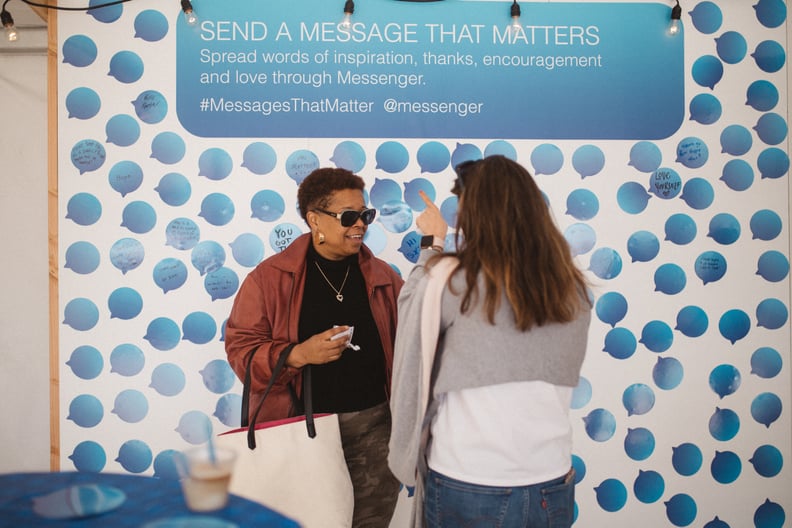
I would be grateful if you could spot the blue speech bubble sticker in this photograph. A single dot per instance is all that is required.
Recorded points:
(773, 163)
(657, 336)
(645, 156)
(649, 486)
(83, 209)
(581, 238)
(767, 460)
(105, 12)
(194, 427)
(410, 246)
(88, 457)
(127, 254)
(611, 308)
(765, 225)
(199, 328)
(638, 399)
(639, 443)
(135, 456)
(766, 362)
(168, 148)
(207, 256)
(82, 257)
(769, 515)
(581, 395)
(465, 152)
(705, 109)
(600, 425)
(168, 379)
(707, 17)
(771, 314)
(686, 458)
(125, 303)
(170, 274)
(500, 147)
(588, 160)
(769, 56)
(738, 175)
(681, 509)
(411, 190)
(349, 155)
(724, 228)
(643, 246)
(734, 325)
(433, 157)
(395, 216)
(221, 283)
(376, 239)
(267, 205)
(665, 183)
(86, 362)
(547, 159)
(670, 279)
(384, 191)
(692, 321)
(81, 314)
(282, 235)
(247, 249)
(182, 233)
(731, 47)
(771, 13)
(259, 158)
(165, 465)
(139, 217)
(130, 405)
(300, 164)
(88, 155)
(771, 128)
(668, 373)
(620, 343)
(215, 164)
(151, 107)
(126, 67)
(127, 359)
(582, 204)
(174, 189)
(773, 266)
(79, 51)
(228, 410)
(710, 266)
(692, 152)
(724, 380)
(151, 25)
(163, 333)
(82, 103)
(125, 177)
(392, 157)
(611, 495)
(698, 193)
(707, 71)
(736, 140)
(766, 408)
(85, 410)
(217, 376)
(217, 209)
(762, 95)
(122, 130)
(725, 467)
(680, 229)
(632, 197)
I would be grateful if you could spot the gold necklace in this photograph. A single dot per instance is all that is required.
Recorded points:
(339, 297)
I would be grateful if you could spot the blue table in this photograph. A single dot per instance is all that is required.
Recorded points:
(147, 499)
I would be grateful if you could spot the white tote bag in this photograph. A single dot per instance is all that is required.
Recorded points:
(295, 466)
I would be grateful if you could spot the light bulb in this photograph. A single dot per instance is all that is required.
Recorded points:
(673, 27)
(676, 14)
(349, 8)
(515, 16)
(189, 13)
(346, 22)
(8, 24)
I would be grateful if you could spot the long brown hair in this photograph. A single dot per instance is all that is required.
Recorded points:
(507, 234)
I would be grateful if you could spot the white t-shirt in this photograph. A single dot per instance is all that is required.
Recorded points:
(511, 434)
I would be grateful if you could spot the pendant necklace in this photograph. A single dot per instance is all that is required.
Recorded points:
(339, 297)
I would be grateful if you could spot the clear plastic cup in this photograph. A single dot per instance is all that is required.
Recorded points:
(205, 477)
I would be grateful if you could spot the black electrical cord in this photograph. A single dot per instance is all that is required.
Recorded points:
(59, 8)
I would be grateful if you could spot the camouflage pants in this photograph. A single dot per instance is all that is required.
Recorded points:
(365, 435)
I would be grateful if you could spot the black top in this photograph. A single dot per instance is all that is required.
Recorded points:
(357, 380)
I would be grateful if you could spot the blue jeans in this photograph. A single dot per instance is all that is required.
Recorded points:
(450, 503)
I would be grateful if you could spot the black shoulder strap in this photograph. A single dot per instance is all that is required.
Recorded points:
(251, 424)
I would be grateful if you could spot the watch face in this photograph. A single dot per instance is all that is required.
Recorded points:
(427, 241)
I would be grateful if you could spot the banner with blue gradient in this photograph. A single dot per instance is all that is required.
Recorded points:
(450, 69)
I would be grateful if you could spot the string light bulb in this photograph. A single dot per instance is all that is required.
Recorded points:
(189, 13)
(676, 14)
(515, 15)
(8, 24)
(349, 8)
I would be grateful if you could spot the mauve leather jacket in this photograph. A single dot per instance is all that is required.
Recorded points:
(265, 315)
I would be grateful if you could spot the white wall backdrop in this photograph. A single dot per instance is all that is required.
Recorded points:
(683, 411)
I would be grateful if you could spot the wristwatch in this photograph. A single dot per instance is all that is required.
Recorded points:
(432, 242)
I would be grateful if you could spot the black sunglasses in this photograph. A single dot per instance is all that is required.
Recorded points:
(348, 217)
(462, 170)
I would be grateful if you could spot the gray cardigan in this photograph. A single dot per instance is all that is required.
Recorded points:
(471, 352)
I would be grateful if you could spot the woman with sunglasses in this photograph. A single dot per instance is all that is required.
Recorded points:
(323, 284)
(487, 441)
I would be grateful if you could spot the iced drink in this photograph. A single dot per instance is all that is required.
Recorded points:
(205, 488)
